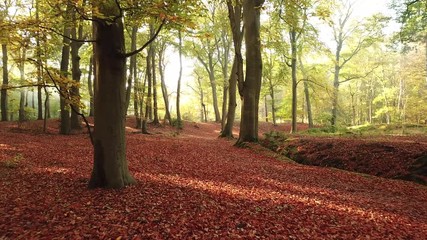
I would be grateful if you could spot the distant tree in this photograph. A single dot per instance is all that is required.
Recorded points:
(344, 32)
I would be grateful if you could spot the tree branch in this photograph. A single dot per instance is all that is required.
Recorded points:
(65, 97)
(67, 37)
(6, 87)
(349, 78)
(147, 43)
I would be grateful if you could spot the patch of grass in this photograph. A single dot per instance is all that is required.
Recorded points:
(13, 162)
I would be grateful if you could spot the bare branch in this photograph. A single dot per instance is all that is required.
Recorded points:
(147, 43)
(65, 97)
(352, 77)
(67, 37)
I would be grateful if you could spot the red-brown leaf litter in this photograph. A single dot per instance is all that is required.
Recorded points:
(192, 185)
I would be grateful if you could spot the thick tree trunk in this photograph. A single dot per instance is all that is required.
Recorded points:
(252, 84)
(4, 102)
(110, 168)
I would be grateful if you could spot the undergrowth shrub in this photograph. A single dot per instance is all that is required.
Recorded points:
(273, 139)
(13, 162)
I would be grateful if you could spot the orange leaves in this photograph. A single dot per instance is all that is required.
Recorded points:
(195, 186)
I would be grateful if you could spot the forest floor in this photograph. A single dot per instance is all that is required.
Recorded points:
(192, 185)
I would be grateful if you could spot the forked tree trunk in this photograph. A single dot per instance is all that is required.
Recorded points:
(252, 85)
(163, 83)
(236, 75)
(110, 168)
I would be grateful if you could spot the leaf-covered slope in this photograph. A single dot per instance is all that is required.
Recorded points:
(195, 186)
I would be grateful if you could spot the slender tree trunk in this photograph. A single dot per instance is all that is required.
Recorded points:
(212, 81)
(273, 106)
(4, 98)
(136, 99)
(163, 83)
(76, 33)
(46, 109)
(110, 168)
(307, 95)
(149, 72)
(22, 115)
(149, 101)
(224, 105)
(265, 108)
(65, 58)
(131, 65)
(90, 87)
(252, 84)
(153, 68)
(144, 128)
(293, 37)
(39, 69)
(178, 91)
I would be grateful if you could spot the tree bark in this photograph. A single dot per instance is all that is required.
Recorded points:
(162, 49)
(178, 91)
(153, 69)
(132, 65)
(76, 73)
(110, 168)
(293, 38)
(307, 95)
(22, 115)
(4, 98)
(39, 69)
(90, 87)
(65, 59)
(236, 75)
(252, 85)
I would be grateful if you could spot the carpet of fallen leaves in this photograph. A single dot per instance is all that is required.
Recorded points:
(384, 156)
(192, 185)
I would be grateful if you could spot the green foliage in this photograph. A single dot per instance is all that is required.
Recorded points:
(274, 139)
(13, 162)
(177, 124)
